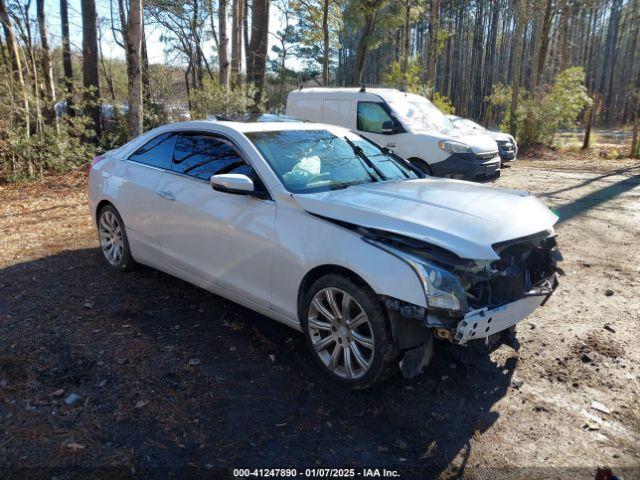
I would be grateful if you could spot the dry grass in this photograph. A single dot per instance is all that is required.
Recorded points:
(601, 159)
(43, 217)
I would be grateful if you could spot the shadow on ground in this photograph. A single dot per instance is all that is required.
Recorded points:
(594, 199)
(170, 377)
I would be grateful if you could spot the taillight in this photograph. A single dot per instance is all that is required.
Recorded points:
(95, 160)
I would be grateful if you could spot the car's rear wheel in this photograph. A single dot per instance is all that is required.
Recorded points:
(113, 239)
(346, 331)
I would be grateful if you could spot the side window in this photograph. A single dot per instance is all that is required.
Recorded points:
(371, 116)
(157, 152)
(201, 156)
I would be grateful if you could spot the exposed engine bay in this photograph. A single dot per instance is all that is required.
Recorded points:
(498, 293)
(525, 264)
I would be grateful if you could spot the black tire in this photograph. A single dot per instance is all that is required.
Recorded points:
(383, 360)
(124, 261)
(422, 166)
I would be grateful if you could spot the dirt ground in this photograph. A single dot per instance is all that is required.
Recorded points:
(174, 381)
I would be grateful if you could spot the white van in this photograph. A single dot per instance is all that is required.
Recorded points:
(407, 124)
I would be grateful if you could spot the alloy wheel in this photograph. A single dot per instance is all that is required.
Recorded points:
(111, 241)
(341, 333)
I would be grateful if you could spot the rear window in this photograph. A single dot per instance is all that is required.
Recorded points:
(157, 152)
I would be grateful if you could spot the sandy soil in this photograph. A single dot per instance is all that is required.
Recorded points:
(172, 379)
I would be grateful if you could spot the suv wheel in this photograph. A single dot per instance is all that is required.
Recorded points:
(421, 165)
(346, 330)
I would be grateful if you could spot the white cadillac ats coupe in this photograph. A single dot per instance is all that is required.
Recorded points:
(323, 230)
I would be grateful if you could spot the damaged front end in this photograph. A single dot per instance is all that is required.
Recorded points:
(467, 299)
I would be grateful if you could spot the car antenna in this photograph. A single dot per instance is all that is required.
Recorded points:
(363, 88)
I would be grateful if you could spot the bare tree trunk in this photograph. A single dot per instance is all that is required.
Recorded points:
(258, 47)
(635, 150)
(487, 77)
(517, 57)
(433, 44)
(106, 72)
(90, 76)
(325, 42)
(66, 55)
(609, 59)
(544, 45)
(236, 42)
(223, 57)
(31, 65)
(406, 42)
(244, 34)
(196, 41)
(186, 82)
(564, 35)
(47, 70)
(369, 13)
(146, 88)
(134, 68)
(5, 61)
(16, 64)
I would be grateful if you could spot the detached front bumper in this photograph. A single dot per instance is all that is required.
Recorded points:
(483, 322)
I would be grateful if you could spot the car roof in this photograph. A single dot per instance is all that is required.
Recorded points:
(255, 117)
(224, 127)
(243, 127)
(389, 95)
(344, 93)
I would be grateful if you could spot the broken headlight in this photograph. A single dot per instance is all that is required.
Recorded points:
(442, 288)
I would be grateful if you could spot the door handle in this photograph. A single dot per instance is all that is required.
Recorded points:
(167, 195)
(390, 145)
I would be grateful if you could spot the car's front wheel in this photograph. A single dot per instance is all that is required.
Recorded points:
(421, 165)
(346, 330)
(113, 239)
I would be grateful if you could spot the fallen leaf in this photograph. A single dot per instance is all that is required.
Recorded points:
(75, 446)
(601, 407)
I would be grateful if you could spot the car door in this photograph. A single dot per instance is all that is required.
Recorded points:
(136, 199)
(216, 238)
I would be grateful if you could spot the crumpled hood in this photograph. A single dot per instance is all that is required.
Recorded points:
(462, 217)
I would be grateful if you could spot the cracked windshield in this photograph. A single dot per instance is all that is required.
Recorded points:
(316, 160)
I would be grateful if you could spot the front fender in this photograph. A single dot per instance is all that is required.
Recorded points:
(308, 241)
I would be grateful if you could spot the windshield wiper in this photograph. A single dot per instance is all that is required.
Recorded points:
(360, 154)
(343, 185)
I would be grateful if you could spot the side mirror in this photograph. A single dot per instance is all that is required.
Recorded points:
(236, 183)
(388, 128)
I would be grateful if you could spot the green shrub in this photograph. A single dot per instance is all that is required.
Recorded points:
(24, 157)
(539, 118)
(413, 84)
(213, 99)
